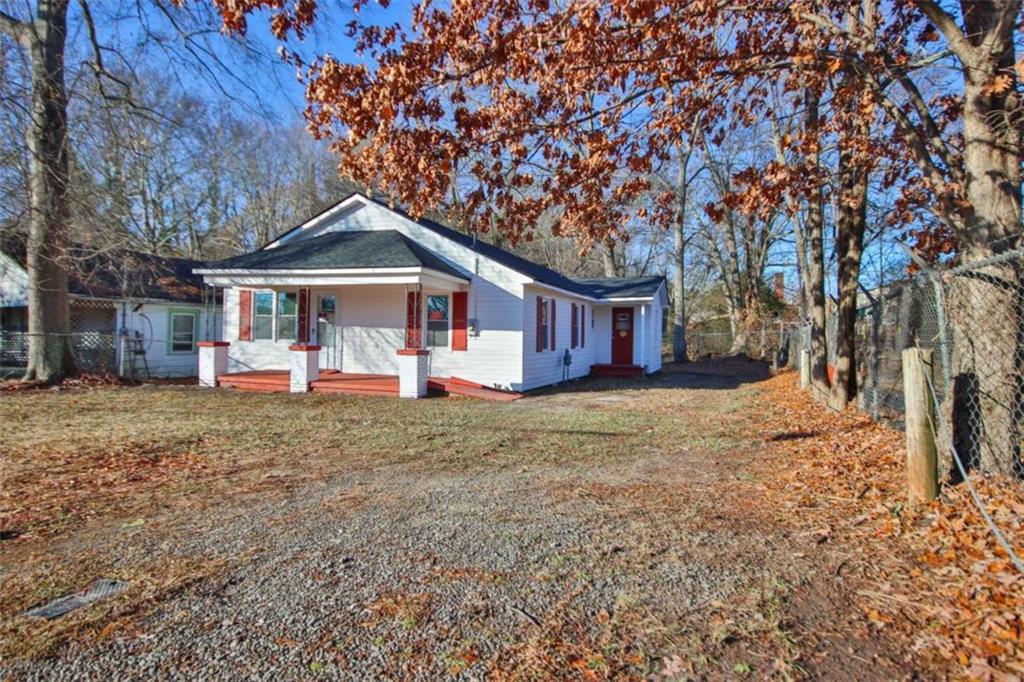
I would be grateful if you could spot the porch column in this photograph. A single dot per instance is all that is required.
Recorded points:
(213, 361)
(413, 364)
(305, 366)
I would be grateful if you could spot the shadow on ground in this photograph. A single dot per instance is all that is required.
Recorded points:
(719, 374)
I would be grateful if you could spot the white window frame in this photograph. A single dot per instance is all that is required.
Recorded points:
(273, 315)
(447, 321)
(181, 312)
(278, 298)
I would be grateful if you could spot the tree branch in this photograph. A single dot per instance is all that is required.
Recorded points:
(15, 28)
(945, 22)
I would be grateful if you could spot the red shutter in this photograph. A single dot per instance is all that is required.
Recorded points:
(575, 328)
(583, 325)
(540, 324)
(245, 315)
(551, 323)
(303, 321)
(460, 311)
(413, 321)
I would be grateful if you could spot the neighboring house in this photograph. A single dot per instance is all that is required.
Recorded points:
(367, 287)
(131, 313)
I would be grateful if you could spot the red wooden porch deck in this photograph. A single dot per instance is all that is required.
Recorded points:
(333, 381)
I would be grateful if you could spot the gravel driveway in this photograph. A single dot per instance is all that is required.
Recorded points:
(631, 567)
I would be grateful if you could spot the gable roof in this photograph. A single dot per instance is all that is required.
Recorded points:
(641, 287)
(341, 251)
(123, 274)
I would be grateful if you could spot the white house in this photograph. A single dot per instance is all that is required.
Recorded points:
(131, 313)
(365, 298)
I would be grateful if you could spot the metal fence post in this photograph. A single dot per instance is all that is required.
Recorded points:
(123, 356)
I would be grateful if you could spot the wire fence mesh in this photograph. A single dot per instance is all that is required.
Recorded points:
(972, 320)
(133, 355)
(765, 340)
(93, 351)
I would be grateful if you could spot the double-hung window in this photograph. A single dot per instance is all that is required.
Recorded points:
(287, 315)
(437, 321)
(263, 315)
(183, 327)
(275, 316)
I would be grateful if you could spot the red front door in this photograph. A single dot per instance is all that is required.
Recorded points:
(622, 336)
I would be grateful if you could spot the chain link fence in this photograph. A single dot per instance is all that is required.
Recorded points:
(94, 352)
(971, 318)
(135, 355)
(766, 340)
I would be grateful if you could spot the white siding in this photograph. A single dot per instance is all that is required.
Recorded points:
(646, 334)
(654, 337)
(494, 355)
(371, 320)
(501, 353)
(372, 328)
(152, 321)
(546, 367)
(249, 355)
(13, 284)
(602, 333)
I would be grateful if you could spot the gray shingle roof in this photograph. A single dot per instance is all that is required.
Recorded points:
(341, 250)
(623, 287)
(616, 287)
(602, 287)
(121, 273)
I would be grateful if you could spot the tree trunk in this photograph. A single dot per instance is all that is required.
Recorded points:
(816, 269)
(50, 358)
(987, 305)
(679, 252)
(739, 330)
(850, 227)
(679, 293)
(610, 260)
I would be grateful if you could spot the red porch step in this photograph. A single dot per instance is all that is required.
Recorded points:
(265, 380)
(617, 370)
(356, 384)
(470, 389)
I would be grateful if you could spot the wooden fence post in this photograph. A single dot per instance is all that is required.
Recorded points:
(805, 368)
(922, 455)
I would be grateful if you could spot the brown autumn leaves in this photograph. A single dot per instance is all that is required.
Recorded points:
(532, 108)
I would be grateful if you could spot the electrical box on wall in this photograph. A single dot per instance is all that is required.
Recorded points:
(472, 327)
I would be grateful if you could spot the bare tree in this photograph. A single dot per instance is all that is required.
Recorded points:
(43, 38)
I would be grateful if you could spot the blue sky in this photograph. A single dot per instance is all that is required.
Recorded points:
(276, 81)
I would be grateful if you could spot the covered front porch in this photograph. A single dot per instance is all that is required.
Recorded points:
(359, 313)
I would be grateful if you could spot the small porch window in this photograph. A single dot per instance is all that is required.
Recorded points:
(437, 321)
(287, 315)
(182, 329)
(263, 315)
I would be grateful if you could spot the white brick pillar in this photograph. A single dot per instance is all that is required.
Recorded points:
(213, 361)
(305, 366)
(413, 364)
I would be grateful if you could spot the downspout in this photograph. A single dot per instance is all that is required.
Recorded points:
(473, 293)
